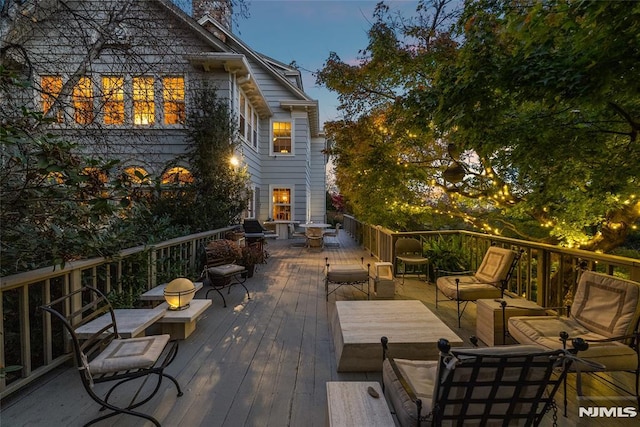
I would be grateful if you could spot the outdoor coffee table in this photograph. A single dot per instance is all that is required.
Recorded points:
(413, 331)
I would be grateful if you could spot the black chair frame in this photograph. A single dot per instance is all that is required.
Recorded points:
(93, 305)
(504, 410)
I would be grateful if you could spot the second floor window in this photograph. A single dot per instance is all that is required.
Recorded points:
(51, 88)
(83, 101)
(113, 92)
(143, 105)
(173, 96)
(282, 137)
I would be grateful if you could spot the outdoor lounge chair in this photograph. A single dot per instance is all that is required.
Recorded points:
(408, 251)
(506, 385)
(488, 282)
(105, 357)
(605, 313)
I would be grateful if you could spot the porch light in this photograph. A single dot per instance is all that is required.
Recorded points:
(179, 293)
(234, 161)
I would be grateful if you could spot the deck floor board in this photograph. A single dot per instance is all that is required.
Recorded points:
(262, 361)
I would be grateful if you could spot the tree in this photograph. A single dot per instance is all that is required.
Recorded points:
(524, 115)
(219, 192)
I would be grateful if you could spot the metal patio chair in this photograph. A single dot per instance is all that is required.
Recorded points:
(104, 357)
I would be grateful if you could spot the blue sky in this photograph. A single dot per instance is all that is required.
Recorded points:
(306, 31)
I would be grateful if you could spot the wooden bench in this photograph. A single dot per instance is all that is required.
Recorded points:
(349, 404)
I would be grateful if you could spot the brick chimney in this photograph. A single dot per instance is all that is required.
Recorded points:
(220, 10)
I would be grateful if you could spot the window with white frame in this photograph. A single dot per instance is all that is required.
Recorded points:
(123, 99)
(281, 203)
(281, 136)
(247, 121)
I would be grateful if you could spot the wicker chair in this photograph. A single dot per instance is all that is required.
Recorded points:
(104, 357)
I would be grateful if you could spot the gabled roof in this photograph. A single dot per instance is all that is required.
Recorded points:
(233, 44)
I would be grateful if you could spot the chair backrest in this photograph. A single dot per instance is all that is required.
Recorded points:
(497, 265)
(76, 309)
(406, 245)
(313, 232)
(607, 305)
(514, 384)
(253, 226)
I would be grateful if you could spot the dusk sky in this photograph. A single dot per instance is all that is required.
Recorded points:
(306, 31)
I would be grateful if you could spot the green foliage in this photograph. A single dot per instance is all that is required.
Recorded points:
(224, 249)
(447, 254)
(533, 105)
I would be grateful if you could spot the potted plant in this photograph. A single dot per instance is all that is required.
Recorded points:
(222, 251)
(251, 255)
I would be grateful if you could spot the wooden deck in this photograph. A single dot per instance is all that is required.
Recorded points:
(264, 361)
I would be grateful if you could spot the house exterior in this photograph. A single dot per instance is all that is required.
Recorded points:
(116, 75)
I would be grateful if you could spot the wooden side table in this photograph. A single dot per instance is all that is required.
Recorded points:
(349, 404)
(489, 322)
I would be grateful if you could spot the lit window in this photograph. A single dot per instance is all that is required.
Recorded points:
(281, 204)
(143, 106)
(113, 90)
(174, 106)
(83, 101)
(177, 175)
(282, 137)
(51, 88)
(96, 175)
(136, 175)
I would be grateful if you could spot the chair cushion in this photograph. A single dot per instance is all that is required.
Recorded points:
(607, 305)
(412, 259)
(495, 265)
(225, 270)
(421, 376)
(129, 354)
(347, 273)
(545, 331)
(471, 289)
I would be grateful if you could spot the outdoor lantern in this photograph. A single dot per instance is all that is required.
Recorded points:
(179, 293)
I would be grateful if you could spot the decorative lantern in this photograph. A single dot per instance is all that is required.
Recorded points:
(178, 293)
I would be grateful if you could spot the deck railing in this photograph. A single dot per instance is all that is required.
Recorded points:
(29, 340)
(545, 274)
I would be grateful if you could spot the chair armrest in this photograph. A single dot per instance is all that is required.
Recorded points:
(398, 374)
(440, 273)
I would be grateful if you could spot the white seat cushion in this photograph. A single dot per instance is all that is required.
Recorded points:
(129, 354)
(471, 289)
(421, 375)
(347, 273)
(226, 270)
(545, 331)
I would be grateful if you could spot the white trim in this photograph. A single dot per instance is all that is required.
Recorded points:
(293, 141)
(292, 199)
